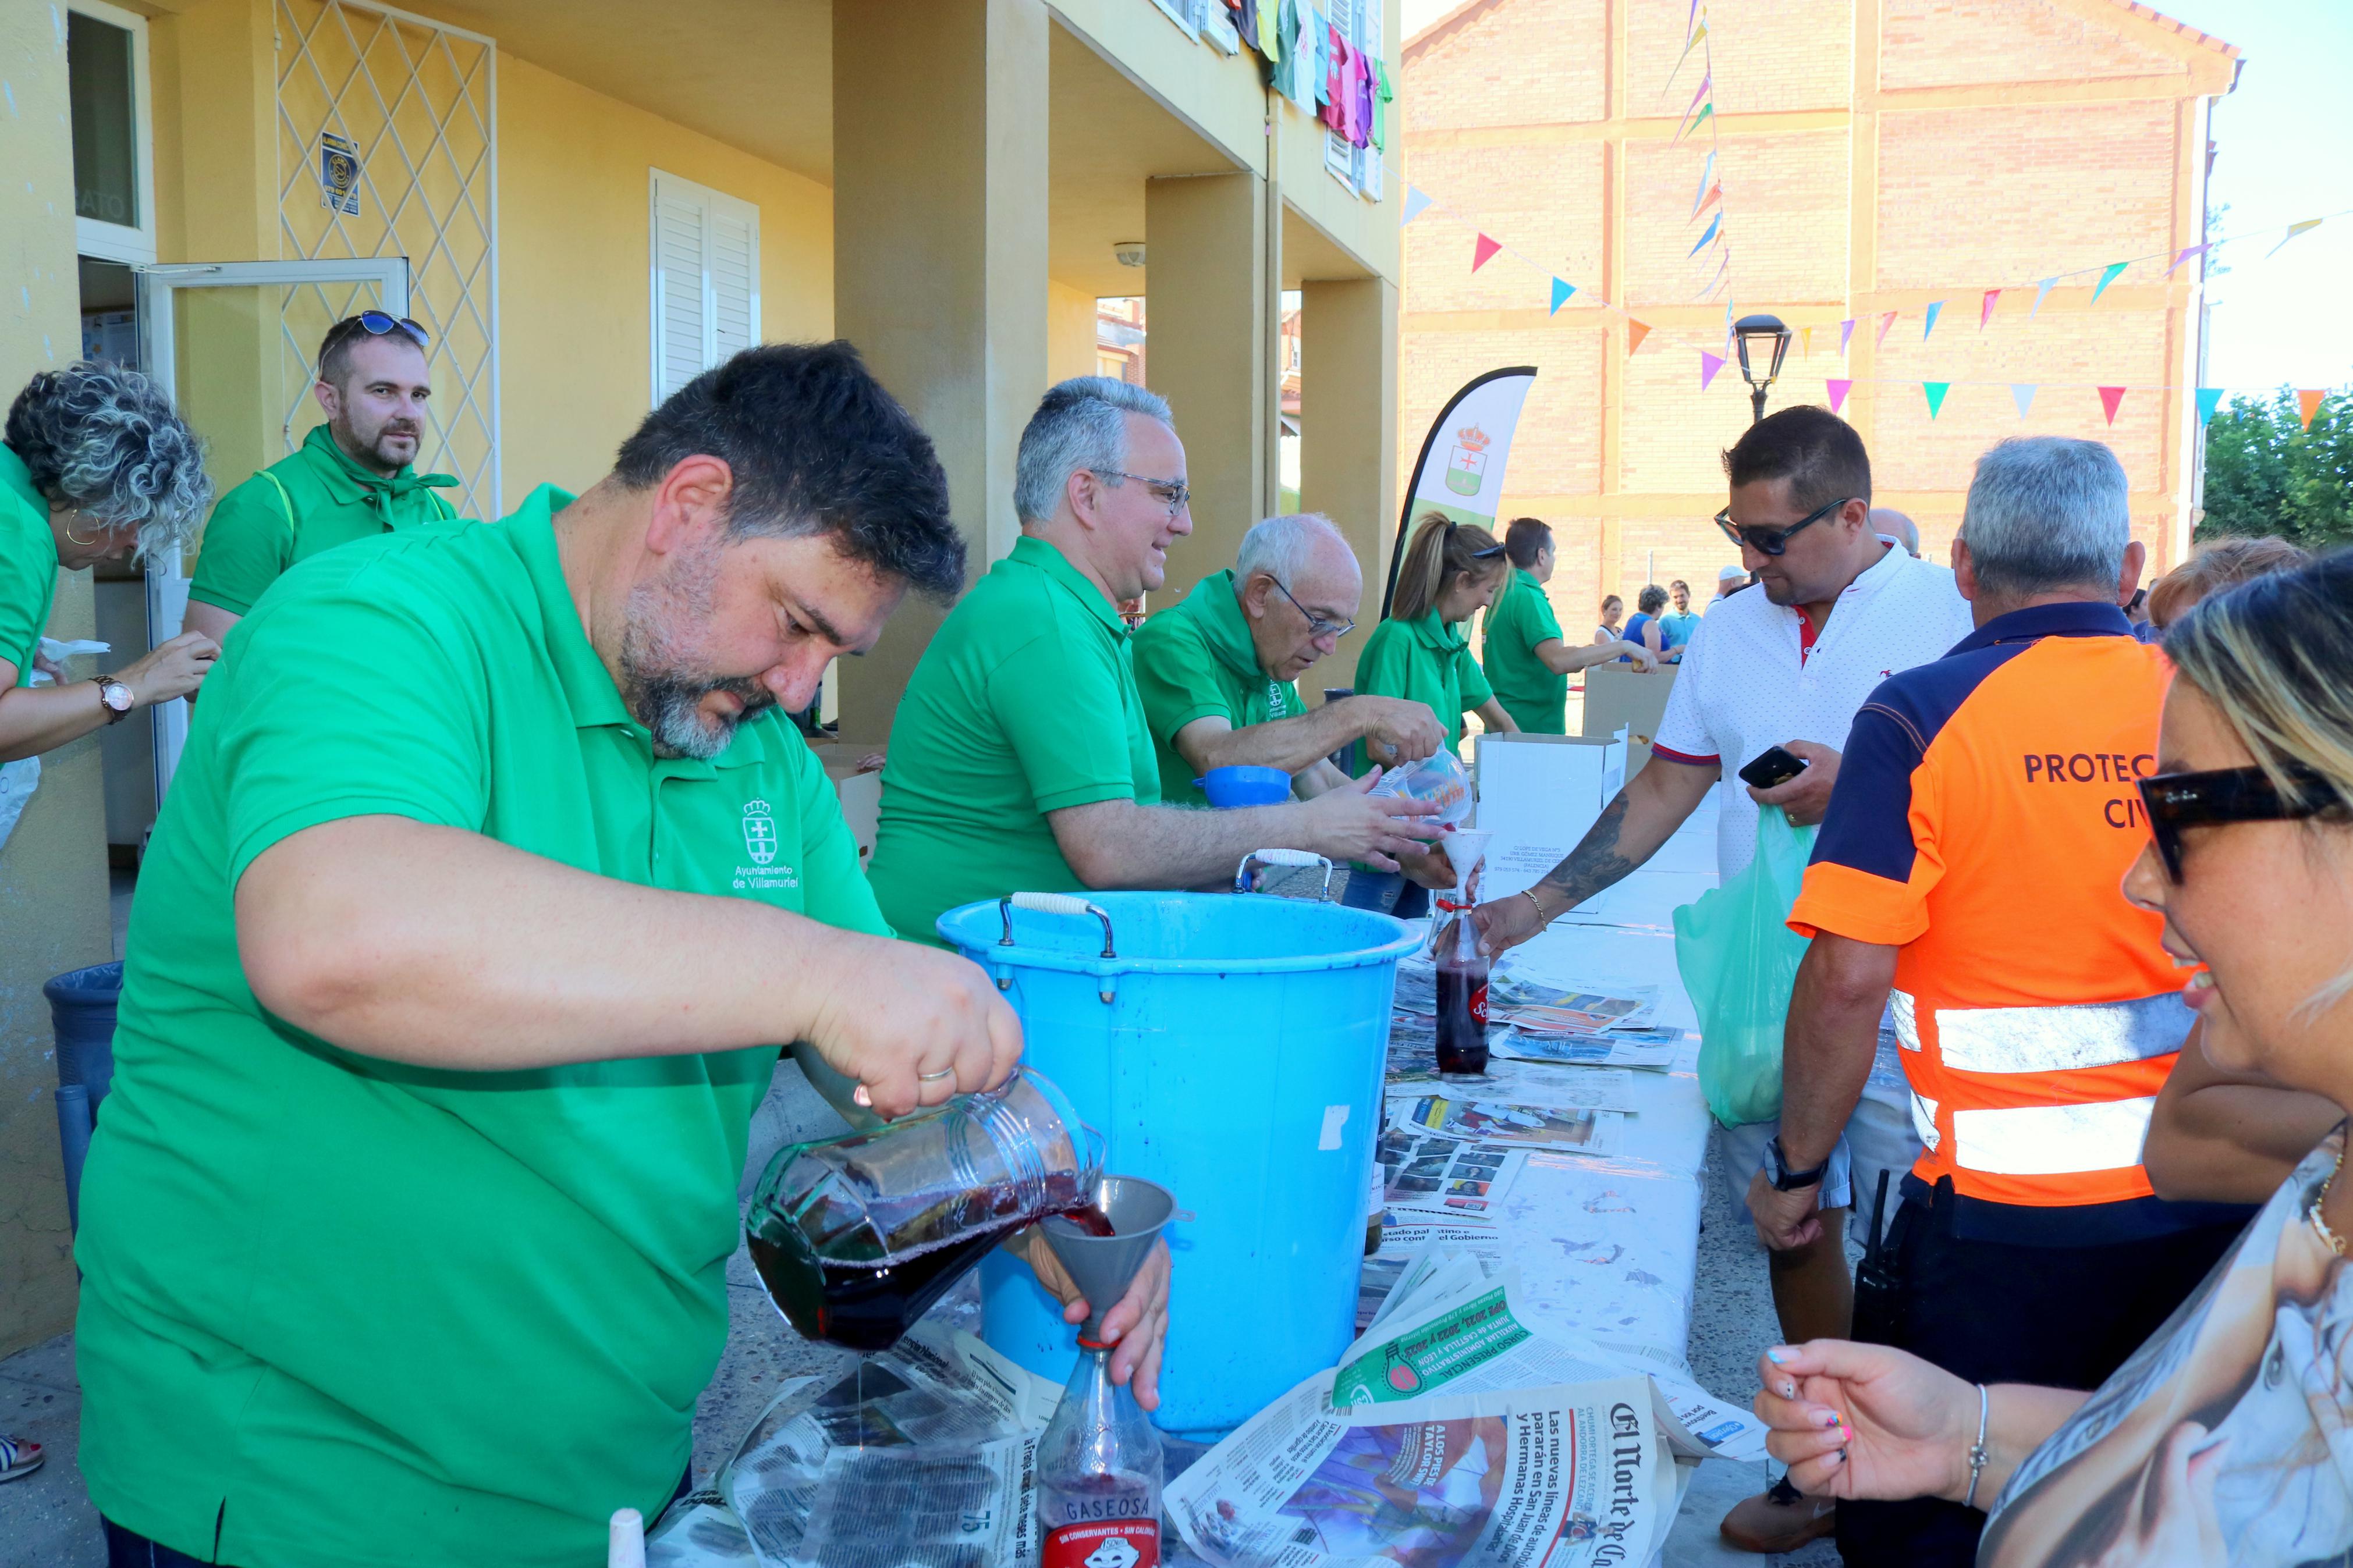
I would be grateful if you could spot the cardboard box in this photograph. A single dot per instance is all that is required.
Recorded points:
(1539, 794)
(1619, 697)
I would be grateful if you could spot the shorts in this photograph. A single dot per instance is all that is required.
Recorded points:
(1879, 1137)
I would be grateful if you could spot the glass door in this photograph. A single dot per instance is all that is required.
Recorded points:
(235, 343)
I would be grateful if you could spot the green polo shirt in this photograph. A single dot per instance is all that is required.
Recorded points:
(1024, 703)
(1536, 698)
(313, 499)
(1427, 661)
(28, 565)
(1196, 660)
(345, 1310)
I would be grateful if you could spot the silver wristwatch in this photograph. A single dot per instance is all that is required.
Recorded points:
(117, 698)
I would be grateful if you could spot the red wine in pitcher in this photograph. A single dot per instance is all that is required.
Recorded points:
(869, 1307)
(1462, 1015)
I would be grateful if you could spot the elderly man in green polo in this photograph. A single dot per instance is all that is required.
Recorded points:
(1020, 758)
(491, 880)
(1218, 671)
(351, 478)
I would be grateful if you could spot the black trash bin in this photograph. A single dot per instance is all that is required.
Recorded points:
(81, 1017)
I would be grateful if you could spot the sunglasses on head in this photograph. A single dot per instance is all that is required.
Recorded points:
(377, 324)
(2176, 801)
(1772, 541)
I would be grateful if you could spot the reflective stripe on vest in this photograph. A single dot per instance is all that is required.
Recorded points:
(2053, 1140)
(2061, 1039)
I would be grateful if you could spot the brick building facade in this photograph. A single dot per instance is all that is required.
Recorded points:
(1874, 155)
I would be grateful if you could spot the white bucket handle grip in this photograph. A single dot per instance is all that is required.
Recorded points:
(1051, 904)
(1282, 857)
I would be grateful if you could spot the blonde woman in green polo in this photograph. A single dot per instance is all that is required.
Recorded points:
(1421, 652)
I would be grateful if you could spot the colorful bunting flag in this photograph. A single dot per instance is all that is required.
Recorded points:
(2107, 277)
(1560, 293)
(1635, 332)
(1936, 391)
(1985, 311)
(1483, 252)
(1713, 192)
(2042, 288)
(2110, 397)
(2208, 399)
(1805, 342)
(1723, 264)
(1838, 391)
(1705, 83)
(1699, 192)
(1846, 331)
(1415, 201)
(1713, 225)
(1710, 363)
(2022, 393)
(2182, 256)
(1689, 45)
(1885, 321)
(2293, 230)
(2307, 402)
(1935, 310)
(1706, 112)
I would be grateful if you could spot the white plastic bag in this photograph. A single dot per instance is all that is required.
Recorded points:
(1438, 779)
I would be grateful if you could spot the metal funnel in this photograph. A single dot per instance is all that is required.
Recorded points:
(1103, 1266)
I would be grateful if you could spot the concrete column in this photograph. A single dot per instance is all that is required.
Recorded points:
(1349, 437)
(939, 260)
(1209, 309)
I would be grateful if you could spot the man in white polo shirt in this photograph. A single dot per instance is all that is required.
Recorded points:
(1840, 609)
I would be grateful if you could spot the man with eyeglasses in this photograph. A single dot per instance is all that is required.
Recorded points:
(1021, 758)
(1218, 673)
(1836, 611)
(351, 478)
(1988, 807)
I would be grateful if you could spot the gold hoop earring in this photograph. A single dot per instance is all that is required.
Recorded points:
(77, 541)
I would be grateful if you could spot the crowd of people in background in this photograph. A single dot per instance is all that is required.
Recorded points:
(2104, 1319)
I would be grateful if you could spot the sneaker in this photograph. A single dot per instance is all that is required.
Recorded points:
(18, 1457)
(1781, 1519)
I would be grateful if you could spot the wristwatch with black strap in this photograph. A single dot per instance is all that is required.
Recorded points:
(117, 698)
(1777, 1172)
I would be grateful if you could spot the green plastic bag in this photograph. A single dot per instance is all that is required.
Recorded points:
(1739, 960)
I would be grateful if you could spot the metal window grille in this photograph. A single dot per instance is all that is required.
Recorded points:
(418, 100)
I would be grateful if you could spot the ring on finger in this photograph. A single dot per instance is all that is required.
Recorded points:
(935, 1076)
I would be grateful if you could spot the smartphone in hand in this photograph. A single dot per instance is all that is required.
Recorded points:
(1774, 765)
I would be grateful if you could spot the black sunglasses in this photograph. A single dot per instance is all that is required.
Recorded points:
(379, 323)
(2176, 801)
(1772, 541)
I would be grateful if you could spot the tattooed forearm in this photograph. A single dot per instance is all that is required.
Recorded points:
(1596, 863)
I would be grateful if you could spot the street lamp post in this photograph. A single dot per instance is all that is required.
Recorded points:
(1761, 331)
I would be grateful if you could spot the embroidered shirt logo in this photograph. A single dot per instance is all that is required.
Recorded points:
(759, 833)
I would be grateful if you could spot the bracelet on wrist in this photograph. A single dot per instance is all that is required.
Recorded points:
(1977, 1450)
(1543, 919)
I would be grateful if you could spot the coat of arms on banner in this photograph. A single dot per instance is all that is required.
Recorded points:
(1466, 464)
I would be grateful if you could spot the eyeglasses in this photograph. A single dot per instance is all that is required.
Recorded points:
(1317, 626)
(1175, 492)
(378, 323)
(2176, 801)
(1772, 541)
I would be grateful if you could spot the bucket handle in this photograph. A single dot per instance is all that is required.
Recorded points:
(1051, 904)
(1282, 857)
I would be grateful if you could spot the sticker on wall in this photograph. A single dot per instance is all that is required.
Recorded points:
(339, 174)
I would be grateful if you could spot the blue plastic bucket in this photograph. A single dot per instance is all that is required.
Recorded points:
(1241, 784)
(1233, 1052)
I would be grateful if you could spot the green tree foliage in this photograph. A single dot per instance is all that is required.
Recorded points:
(2266, 474)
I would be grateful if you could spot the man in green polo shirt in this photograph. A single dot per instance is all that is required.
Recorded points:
(1021, 759)
(1527, 661)
(1219, 672)
(351, 477)
(490, 876)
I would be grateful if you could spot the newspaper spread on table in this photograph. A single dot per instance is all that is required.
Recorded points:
(1452, 1433)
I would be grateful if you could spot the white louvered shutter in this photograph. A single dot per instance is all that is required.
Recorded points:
(706, 279)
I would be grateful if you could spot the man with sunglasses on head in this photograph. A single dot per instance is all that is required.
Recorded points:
(351, 478)
(1987, 809)
(1021, 759)
(1219, 672)
(1836, 611)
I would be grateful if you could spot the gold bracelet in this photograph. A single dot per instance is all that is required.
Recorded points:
(1543, 919)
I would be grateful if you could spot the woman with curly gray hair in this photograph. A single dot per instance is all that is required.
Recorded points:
(94, 466)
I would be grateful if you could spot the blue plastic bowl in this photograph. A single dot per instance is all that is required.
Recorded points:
(1243, 786)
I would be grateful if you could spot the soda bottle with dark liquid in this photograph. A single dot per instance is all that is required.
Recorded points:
(856, 1236)
(1462, 994)
(1098, 1474)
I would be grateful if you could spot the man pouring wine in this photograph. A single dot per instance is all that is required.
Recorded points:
(491, 881)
